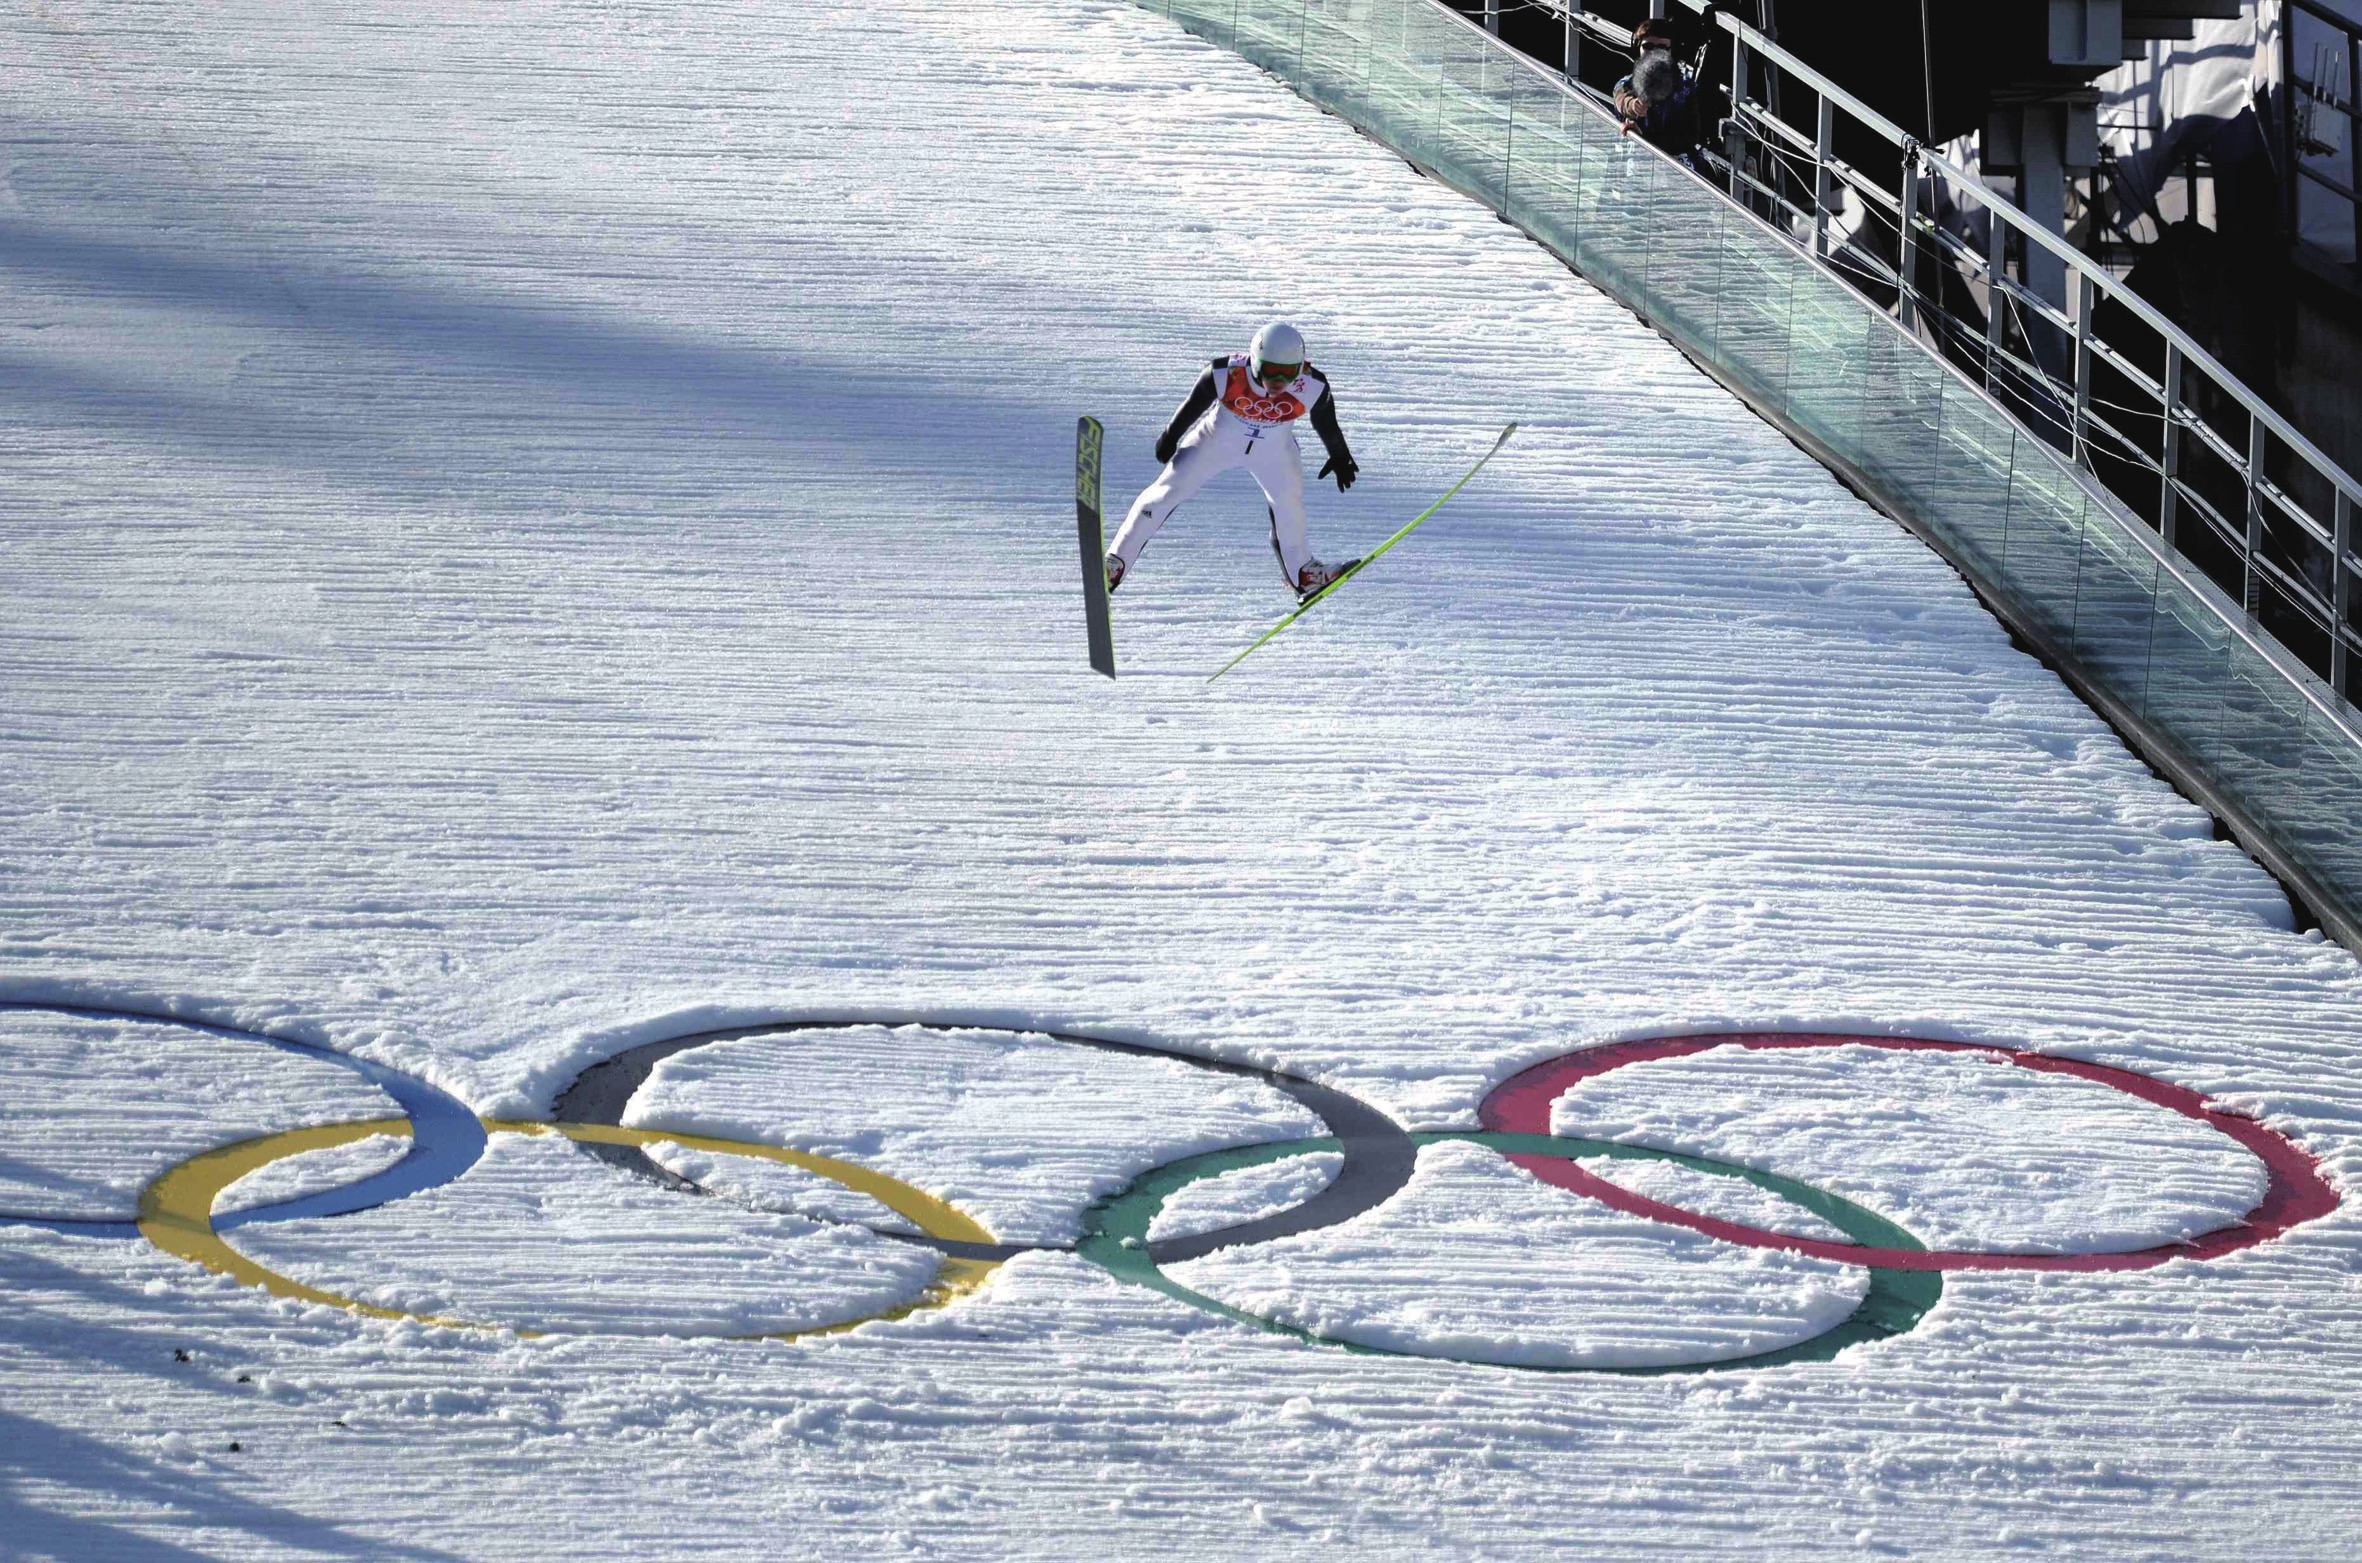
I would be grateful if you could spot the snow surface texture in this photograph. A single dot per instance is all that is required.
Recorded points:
(1710, 1194)
(541, 1237)
(532, 529)
(1247, 1194)
(1533, 1278)
(775, 1186)
(2041, 1164)
(310, 1172)
(1020, 1134)
(94, 1109)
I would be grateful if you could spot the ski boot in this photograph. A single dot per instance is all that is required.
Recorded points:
(1316, 578)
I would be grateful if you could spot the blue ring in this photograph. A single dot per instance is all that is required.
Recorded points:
(446, 1138)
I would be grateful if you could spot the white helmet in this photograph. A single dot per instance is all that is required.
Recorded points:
(1279, 345)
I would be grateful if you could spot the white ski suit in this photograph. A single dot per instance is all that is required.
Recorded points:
(1231, 421)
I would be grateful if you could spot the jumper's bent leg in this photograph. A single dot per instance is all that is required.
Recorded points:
(1280, 469)
(1183, 476)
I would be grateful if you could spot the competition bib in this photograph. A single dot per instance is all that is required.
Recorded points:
(1257, 404)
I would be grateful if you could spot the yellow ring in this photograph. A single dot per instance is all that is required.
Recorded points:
(176, 1213)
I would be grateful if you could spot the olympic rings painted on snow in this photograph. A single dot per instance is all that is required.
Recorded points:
(2296, 1191)
(176, 1208)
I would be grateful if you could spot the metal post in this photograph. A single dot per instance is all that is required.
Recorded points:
(2291, 180)
(1907, 241)
(2253, 578)
(1996, 288)
(2353, 134)
(1828, 126)
(1927, 69)
(1508, 155)
(1733, 147)
(2169, 454)
(1574, 42)
(2341, 591)
(1492, 17)
(2086, 299)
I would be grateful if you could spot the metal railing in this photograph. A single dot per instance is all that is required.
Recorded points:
(1768, 272)
(2053, 334)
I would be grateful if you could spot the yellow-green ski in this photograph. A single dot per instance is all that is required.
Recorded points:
(1366, 559)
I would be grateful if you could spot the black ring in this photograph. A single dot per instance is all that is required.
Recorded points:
(1378, 1151)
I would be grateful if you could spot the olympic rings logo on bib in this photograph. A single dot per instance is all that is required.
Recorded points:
(1265, 409)
(1377, 1157)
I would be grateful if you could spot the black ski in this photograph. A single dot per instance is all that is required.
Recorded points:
(1087, 438)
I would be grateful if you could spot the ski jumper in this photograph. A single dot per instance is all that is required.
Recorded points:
(1231, 421)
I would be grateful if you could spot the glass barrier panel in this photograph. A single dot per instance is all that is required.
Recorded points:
(2328, 801)
(1213, 20)
(1402, 91)
(2115, 611)
(1554, 194)
(1616, 207)
(1976, 451)
(2046, 518)
(1271, 35)
(2189, 662)
(1902, 418)
(1751, 328)
(1471, 121)
(1828, 358)
(1545, 164)
(1685, 257)
(1333, 68)
(2263, 720)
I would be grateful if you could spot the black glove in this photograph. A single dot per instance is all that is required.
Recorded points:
(1345, 468)
(1166, 444)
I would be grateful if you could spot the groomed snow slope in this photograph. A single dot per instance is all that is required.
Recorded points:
(538, 528)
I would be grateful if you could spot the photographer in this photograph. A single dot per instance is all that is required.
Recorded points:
(1664, 101)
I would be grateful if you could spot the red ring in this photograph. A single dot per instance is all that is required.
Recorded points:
(2297, 1192)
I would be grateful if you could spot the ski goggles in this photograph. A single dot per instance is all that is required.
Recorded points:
(1280, 372)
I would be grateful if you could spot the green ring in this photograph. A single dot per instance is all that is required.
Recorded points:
(1897, 1299)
